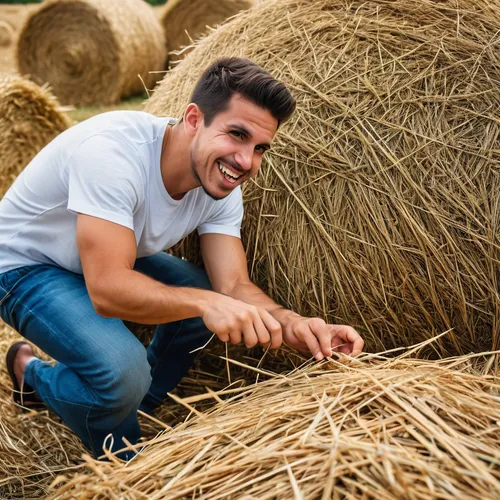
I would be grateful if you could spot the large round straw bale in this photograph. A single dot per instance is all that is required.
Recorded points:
(29, 119)
(399, 429)
(378, 205)
(92, 51)
(6, 34)
(187, 20)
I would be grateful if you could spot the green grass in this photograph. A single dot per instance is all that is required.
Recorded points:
(135, 103)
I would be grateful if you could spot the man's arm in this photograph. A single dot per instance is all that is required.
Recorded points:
(108, 252)
(225, 263)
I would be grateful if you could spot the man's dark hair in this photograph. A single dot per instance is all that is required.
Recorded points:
(233, 75)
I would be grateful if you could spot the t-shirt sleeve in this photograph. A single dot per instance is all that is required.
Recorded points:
(105, 181)
(227, 216)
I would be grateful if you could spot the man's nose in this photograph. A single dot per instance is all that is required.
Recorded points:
(244, 158)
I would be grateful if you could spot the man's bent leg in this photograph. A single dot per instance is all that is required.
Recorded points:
(102, 373)
(170, 352)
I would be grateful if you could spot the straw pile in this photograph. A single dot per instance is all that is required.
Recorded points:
(29, 119)
(35, 448)
(92, 51)
(6, 34)
(377, 206)
(372, 428)
(187, 20)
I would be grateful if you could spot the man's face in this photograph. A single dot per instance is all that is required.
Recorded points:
(229, 151)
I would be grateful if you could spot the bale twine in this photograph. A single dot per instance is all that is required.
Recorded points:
(187, 20)
(378, 204)
(373, 428)
(6, 34)
(29, 120)
(92, 51)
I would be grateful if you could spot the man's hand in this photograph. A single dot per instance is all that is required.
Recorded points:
(321, 339)
(233, 320)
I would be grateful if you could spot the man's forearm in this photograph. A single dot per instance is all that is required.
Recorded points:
(132, 296)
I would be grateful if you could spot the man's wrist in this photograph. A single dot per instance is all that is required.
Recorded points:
(203, 300)
(283, 315)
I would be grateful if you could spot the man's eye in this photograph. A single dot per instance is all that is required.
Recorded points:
(235, 133)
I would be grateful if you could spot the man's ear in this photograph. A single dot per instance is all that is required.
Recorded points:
(193, 119)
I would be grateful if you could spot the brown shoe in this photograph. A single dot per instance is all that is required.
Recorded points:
(24, 396)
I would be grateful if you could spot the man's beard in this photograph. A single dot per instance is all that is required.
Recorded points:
(198, 178)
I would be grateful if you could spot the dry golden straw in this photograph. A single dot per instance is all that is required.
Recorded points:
(370, 428)
(187, 20)
(92, 51)
(29, 119)
(383, 426)
(378, 205)
(35, 448)
(6, 34)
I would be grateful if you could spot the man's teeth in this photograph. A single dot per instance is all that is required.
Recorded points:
(230, 176)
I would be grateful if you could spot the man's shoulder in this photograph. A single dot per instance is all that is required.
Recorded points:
(120, 121)
(129, 128)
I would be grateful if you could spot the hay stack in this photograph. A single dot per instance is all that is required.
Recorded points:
(6, 34)
(29, 120)
(187, 20)
(92, 51)
(367, 428)
(36, 447)
(378, 205)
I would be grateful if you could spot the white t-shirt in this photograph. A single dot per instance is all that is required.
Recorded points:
(106, 167)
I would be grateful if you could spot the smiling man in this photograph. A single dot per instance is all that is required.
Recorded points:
(82, 234)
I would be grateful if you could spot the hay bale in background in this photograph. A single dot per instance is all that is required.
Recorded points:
(378, 204)
(92, 51)
(6, 34)
(29, 120)
(187, 20)
(352, 428)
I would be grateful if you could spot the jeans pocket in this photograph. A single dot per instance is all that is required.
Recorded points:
(9, 280)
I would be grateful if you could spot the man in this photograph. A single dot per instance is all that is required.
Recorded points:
(81, 237)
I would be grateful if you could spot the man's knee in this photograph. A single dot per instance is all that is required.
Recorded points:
(125, 381)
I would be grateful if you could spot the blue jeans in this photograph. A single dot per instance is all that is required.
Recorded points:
(103, 373)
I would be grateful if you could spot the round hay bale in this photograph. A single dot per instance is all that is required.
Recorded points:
(400, 429)
(6, 34)
(92, 51)
(29, 120)
(378, 204)
(188, 20)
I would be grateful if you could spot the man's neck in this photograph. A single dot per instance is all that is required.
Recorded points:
(175, 162)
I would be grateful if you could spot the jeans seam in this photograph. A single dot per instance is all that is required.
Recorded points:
(48, 398)
(6, 296)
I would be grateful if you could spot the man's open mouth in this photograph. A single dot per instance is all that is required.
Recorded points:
(230, 175)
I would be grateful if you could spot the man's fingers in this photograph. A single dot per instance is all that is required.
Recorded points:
(322, 333)
(273, 328)
(235, 336)
(312, 343)
(350, 336)
(250, 337)
(336, 342)
(263, 335)
(223, 337)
